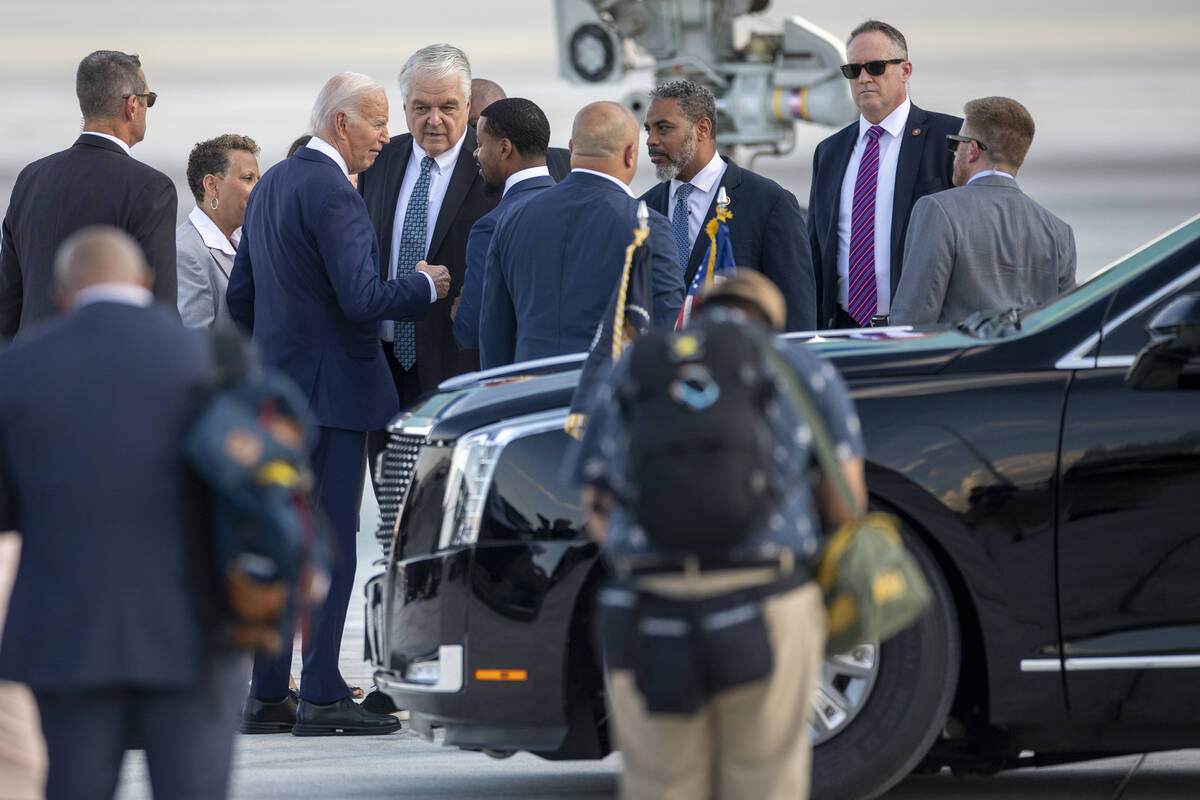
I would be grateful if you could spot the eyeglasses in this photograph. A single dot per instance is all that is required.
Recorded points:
(953, 140)
(150, 97)
(875, 68)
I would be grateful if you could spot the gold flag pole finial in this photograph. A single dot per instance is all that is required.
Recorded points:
(722, 200)
(643, 216)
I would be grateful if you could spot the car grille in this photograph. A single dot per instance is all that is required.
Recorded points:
(399, 462)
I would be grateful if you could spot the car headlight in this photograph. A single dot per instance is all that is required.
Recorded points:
(472, 466)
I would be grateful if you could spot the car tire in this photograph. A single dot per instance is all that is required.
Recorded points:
(908, 704)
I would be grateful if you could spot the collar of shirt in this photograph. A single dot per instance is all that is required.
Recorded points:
(112, 138)
(524, 175)
(702, 180)
(211, 235)
(612, 178)
(444, 162)
(893, 123)
(124, 293)
(991, 172)
(705, 183)
(325, 148)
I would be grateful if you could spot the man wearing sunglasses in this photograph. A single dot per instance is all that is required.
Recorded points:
(984, 245)
(866, 178)
(94, 182)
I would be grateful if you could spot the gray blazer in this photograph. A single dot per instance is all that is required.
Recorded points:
(203, 276)
(980, 247)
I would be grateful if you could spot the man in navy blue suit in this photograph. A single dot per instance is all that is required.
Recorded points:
(513, 134)
(306, 283)
(111, 622)
(555, 262)
(767, 229)
(867, 177)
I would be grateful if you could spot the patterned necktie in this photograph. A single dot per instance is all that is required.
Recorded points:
(863, 300)
(679, 221)
(412, 250)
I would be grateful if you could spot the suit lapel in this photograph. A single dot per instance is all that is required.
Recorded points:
(465, 172)
(392, 180)
(657, 197)
(842, 148)
(912, 143)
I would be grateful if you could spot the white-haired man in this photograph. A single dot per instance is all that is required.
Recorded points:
(424, 194)
(305, 284)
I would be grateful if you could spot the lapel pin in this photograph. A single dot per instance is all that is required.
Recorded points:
(916, 131)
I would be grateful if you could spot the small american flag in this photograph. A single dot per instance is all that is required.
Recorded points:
(718, 259)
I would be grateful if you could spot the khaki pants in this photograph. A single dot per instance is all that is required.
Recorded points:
(748, 743)
(22, 749)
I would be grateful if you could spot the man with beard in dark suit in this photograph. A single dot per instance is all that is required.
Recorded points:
(94, 182)
(766, 231)
(868, 176)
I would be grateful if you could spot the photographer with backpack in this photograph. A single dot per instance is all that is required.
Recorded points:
(701, 484)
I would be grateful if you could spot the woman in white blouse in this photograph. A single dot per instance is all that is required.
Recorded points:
(220, 172)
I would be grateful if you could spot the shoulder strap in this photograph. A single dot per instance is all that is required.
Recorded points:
(822, 440)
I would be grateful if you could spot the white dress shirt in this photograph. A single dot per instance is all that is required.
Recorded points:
(111, 138)
(125, 293)
(211, 235)
(439, 181)
(524, 175)
(325, 148)
(985, 172)
(885, 191)
(624, 187)
(707, 181)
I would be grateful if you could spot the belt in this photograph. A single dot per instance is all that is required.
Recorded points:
(695, 564)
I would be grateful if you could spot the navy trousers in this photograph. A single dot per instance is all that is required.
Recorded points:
(339, 462)
(187, 733)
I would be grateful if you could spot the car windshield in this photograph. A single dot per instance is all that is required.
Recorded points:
(1012, 322)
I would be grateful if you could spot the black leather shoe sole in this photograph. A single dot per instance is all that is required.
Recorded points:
(251, 726)
(317, 729)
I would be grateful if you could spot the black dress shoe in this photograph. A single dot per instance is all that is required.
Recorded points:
(378, 703)
(343, 718)
(264, 716)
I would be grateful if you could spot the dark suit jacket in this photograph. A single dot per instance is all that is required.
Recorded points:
(94, 182)
(767, 234)
(555, 262)
(558, 161)
(92, 474)
(924, 167)
(438, 356)
(306, 283)
(466, 320)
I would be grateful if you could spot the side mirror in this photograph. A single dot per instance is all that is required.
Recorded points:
(1169, 359)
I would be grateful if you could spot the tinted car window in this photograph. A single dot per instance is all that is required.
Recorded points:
(1130, 336)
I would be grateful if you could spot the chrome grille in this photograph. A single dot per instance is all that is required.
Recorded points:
(393, 480)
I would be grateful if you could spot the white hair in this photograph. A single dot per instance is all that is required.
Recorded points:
(344, 92)
(437, 61)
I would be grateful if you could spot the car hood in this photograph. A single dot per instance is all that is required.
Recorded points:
(468, 401)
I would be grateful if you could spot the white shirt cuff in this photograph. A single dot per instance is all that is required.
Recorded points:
(432, 287)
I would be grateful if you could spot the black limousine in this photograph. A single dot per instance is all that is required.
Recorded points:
(1045, 466)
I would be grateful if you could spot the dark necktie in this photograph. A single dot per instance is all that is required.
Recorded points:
(412, 250)
(863, 301)
(679, 222)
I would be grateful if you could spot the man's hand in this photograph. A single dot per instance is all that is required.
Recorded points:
(440, 275)
(454, 307)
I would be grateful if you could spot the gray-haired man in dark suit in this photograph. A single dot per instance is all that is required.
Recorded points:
(984, 245)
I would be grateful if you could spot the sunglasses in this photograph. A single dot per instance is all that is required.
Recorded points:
(953, 140)
(875, 68)
(150, 97)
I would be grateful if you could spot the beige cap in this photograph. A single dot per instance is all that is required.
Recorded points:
(750, 286)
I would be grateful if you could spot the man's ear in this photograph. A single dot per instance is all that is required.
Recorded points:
(130, 108)
(704, 128)
(507, 150)
(631, 155)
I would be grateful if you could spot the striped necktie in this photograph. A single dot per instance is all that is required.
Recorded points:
(679, 223)
(863, 300)
(412, 250)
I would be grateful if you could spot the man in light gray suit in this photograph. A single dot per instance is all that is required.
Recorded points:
(984, 244)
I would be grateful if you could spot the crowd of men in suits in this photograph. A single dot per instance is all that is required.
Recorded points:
(463, 245)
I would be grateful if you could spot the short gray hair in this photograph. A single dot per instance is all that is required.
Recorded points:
(695, 100)
(890, 31)
(437, 61)
(344, 92)
(103, 81)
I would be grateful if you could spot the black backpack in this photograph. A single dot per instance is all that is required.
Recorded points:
(699, 447)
